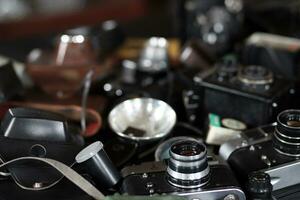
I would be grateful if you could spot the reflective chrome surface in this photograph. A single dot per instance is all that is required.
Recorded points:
(142, 119)
(154, 56)
(162, 151)
(256, 75)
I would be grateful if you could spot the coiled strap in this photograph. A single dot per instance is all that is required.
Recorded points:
(67, 172)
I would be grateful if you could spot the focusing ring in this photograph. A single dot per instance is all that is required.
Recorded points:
(255, 75)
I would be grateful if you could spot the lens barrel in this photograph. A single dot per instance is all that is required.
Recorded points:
(255, 75)
(188, 166)
(286, 137)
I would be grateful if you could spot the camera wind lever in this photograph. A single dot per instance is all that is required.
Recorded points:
(66, 171)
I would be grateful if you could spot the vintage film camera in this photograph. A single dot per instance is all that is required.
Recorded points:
(148, 75)
(273, 149)
(250, 94)
(189, 173)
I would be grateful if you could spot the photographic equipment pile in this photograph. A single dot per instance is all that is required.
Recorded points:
(217, 121)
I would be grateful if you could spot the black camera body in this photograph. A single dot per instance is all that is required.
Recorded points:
(251, 94)
(188, 173)
(153, 180)
(159, 178)
(272, 149)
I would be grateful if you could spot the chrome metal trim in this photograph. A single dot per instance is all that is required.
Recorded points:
(285, 136)
(285, 175)
(193, 176)
(189, 158)
(285, 142)
(268, 79)
(287, 154)
(214, 194)
(188, 164)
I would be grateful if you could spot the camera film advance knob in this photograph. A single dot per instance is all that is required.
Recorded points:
(259, 186)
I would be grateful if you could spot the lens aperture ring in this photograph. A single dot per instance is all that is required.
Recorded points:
(190, 176)
(187, 167)
(193, 180)
(286, 139)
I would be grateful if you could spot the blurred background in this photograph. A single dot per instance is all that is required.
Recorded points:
(27, 24)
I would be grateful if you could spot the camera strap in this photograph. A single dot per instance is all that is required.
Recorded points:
(66, 171)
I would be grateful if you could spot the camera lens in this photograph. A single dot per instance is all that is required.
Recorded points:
(188, 167)
(256, 75)
(287, 133)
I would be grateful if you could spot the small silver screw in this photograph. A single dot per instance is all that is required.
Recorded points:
(37, 185)
(151, 191)
(197, 79)
(149, 185)
(252, 148)
(266, 160)
(267, 87)
(244, 143)
(119, 92)
(192, 117)
(230, 197)
(145, 175)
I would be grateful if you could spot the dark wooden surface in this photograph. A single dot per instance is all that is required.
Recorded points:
(120, 10)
